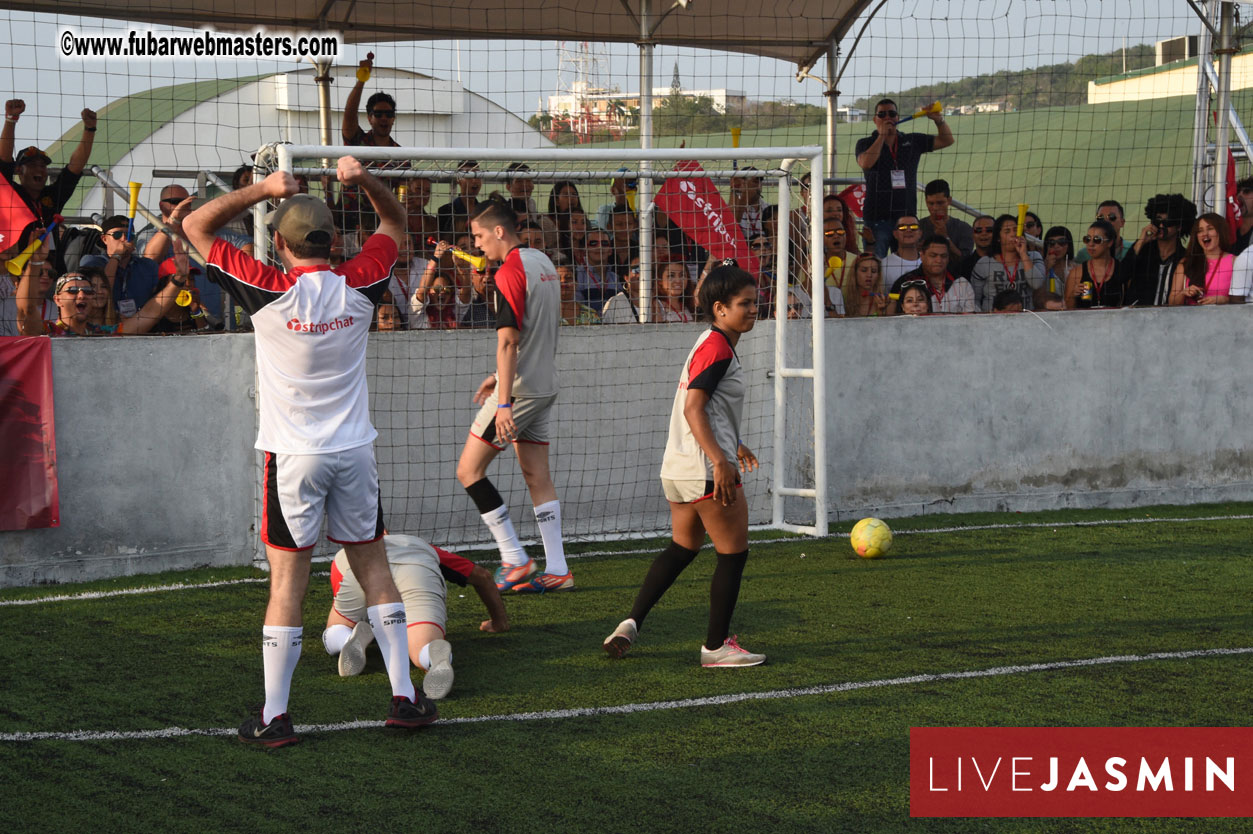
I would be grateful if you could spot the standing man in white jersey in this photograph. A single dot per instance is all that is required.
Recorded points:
(517, 401)
(311, 325)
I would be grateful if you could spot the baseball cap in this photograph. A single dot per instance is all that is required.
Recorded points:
(27, 154)
(303, 218)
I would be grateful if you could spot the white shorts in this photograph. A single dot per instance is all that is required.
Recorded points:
(298, 488)
(419, 581)
(530, 415)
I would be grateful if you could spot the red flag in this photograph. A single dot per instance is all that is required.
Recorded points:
(28, 467)
(15, 215)
(1235, 211)
(855, 198)
(699, 210)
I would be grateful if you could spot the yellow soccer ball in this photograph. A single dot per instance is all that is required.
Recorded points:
(871, 538)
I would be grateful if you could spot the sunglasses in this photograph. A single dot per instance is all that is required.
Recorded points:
(118, 235)
(1163, 222)
(1097, 239)
(908, 227)
(886, 114)
(76, 290)
(1056, 241)
(1112, 218)
(837, 232)
(168, 202)
(383, 114)
(441, 290)
(983, 230)
(918, 283)
(1031, 224)
(598, 243)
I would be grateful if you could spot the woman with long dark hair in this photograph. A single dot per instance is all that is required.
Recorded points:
(1204, 274)
(699, 474)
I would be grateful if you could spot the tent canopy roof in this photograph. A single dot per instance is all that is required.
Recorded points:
(796, 31)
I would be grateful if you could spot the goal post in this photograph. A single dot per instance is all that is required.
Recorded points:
(778, 167)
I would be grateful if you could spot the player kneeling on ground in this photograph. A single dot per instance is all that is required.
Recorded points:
(416, 567)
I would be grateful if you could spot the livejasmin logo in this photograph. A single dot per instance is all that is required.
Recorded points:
(1081, 771)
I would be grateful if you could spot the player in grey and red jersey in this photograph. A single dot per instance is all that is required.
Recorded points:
(517, 401)
(311, 326)
(699, 475)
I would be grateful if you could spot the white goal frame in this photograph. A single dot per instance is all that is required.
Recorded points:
(284, 156)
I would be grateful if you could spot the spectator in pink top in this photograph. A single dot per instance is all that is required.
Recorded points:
(1204, 274)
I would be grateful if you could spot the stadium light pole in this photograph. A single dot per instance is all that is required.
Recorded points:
(645, 184)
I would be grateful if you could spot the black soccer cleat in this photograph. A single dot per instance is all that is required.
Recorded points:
(278, 733)
(408, 715)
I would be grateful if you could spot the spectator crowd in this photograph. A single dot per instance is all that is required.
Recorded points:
(110, 280)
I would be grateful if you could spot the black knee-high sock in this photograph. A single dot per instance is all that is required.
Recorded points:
(661, 575)
(724, 590)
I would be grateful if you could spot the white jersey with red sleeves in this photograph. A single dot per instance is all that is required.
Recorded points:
(712, 366)
(311, 327)
(531, 291)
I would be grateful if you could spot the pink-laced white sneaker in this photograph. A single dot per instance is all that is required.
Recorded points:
(730, 654)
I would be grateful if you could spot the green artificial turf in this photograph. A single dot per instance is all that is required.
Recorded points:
(973, 599)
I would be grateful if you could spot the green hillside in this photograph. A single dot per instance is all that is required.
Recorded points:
(1061, 160)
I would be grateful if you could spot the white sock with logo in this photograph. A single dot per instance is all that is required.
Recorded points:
(501, 525)
(335, 637)
(548, 517)
(280, 652)
(391, 633)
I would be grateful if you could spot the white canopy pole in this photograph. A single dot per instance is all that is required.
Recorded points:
(644, 189)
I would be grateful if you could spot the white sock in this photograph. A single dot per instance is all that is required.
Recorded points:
(548, 517)
(424, 657)
(392, 634)
(501, 525)
(280, 651)
(335, 637)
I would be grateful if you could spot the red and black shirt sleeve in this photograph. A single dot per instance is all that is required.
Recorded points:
(371, 270)
(511, 284)
(251, 283)
(710, 362)
(456, 569)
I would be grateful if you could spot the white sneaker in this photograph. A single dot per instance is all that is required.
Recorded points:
(730, 654)
(352, 655)
(623, 637)
(438, 681)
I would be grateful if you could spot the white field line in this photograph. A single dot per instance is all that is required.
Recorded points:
(655, 706)
(180, 586)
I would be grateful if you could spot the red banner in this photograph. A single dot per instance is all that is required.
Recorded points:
(698, 209)
(28, 467)
(855, 198)
(1081, 771)
(15, 215)
(1235, 210)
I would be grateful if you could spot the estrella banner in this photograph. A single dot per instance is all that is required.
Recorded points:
(698, 209)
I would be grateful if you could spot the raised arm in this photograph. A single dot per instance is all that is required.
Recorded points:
(83, 152)
(392, 219)
(201, 226)
(13, 110)
(944, 137)
(352, 121)
(29, 308)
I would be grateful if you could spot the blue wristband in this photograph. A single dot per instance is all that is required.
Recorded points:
(506, 405)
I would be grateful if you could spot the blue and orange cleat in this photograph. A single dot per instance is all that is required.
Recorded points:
(509, 575)
(543, 582)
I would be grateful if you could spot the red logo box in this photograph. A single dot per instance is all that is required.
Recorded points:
(1081, 771)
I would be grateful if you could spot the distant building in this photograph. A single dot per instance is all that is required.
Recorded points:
(850, 114)
(1173, 78)
(1001, 106)
(216, 125)
(587, 110)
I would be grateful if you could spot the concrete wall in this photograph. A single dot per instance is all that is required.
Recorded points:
(1020, 412)
(154, 460)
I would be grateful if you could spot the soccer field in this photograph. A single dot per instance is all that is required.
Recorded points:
(120, 708)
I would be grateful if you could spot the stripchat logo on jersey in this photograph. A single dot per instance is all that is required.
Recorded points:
(319, 327)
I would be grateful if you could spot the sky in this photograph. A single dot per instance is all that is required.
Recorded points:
(909, 42)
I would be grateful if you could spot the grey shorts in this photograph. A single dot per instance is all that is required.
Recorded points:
(530, 415)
